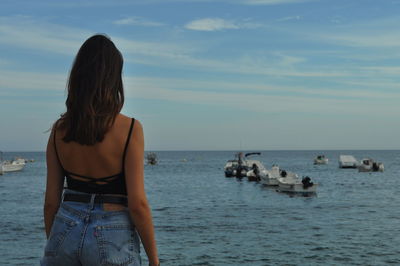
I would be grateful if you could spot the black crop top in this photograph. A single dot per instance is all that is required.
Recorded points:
(114, 184)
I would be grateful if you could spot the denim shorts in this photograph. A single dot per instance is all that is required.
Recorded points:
(85, 234)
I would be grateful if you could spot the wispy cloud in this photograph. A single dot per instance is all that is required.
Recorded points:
(42, 36)
(148, 89)
(379, 33)
(32, 80)
(138, 21)
(289, 18)
(211, 24)
(218, 24)
(27, 33)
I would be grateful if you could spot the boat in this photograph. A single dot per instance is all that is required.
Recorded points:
(257, 171)
(271, 179)
(369, 165)
(320, 159)
(347, 161)
(241, 165)
(151, 158)
(230, 168)
(15, 165)
(296, 185)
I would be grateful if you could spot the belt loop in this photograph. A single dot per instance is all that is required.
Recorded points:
(92, 198)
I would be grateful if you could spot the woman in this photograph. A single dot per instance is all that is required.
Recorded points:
(103, 209)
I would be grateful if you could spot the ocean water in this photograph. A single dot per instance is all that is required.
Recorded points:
(203, 218)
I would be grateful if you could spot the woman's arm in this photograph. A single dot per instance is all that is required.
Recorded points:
(54, 185)
(137, 201)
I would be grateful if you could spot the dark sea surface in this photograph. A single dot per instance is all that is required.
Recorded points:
(203, 218)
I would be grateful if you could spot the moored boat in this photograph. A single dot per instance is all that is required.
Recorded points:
(257, 171)
(241, 165)
(297, 185)
(151, 158)
(15, 165)
(347, 161)
(369, 165)
(271, 179)
(320, 159)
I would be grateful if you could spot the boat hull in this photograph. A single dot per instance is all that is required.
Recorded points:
(12, 167)
(295, 185)
(297, 188)
(323, 161)
(269, 181)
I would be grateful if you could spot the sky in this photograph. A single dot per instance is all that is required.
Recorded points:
(214, 74)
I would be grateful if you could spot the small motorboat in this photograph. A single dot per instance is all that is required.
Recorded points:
(297, 185)
(347, 161)
(230, 168)
(271, 179)
(15, 165)
(241, 165)
(151, 158)
(320, 159)
(257, 172)
(369, 165)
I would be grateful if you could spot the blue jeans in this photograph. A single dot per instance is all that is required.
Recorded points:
(85, 234)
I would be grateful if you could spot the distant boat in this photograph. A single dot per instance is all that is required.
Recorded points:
(271, 179)
(151, 158)
(230, 168)
(369, 165)
(241, 165)
(320, 159)
(297, 185)
(347, 161)
(15, 165)
(257, 171)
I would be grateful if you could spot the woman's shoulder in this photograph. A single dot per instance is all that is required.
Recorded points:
(128, 120)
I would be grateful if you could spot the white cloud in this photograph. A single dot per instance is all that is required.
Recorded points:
(27, 33)
(31, 34)
(211, 24)
(379, 33)
(289, 18)
(137, 21)
(218, 24)
(42, 36)
(148, 89)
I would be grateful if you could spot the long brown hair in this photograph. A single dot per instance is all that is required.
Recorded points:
(95, 91)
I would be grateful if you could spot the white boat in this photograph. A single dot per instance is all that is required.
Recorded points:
(347, 161)
(230, 168)
(15, 165)
(241, 165)
(297, 185)
(271, 179)
(320, 159)
(369, 165)
(257, 171)
(151, 158)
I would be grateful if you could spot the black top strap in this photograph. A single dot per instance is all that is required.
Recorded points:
(106, 178)
(126, 144)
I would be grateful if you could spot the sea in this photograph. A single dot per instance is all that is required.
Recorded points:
(203, 218)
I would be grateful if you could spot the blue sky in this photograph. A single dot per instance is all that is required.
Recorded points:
(214, 75)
